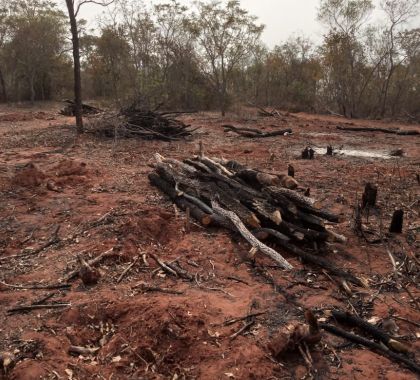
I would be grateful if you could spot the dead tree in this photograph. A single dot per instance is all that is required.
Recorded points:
(73, 9)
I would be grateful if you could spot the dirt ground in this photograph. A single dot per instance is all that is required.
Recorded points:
(98, 193)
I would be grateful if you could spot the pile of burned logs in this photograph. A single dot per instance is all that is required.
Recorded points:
(259, 205)
(70, 109)
(133, 122)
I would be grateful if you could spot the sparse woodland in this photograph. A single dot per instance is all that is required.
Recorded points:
(149, 230)
(210, 56)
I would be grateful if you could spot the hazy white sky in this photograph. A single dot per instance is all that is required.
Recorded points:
(282, 18)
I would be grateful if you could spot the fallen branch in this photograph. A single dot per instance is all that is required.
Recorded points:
(255, 133)
(83, 350)
(244, 318)
(242, 329)
(36, 286)
(375, 332)
(54, 239)
(371, 345)
(40, 306)
(148, 288)
(251, 238)
(93, 262)
(383, 130)
(164, 267)
(126, 270)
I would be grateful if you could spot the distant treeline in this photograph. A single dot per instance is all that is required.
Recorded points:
(211, 56)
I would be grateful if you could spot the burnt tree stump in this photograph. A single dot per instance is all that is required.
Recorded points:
(308, 153)
(330, 150)
(290, 171)
(397, 222)
(369, 196)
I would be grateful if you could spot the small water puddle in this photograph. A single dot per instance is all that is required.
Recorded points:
(355, 153)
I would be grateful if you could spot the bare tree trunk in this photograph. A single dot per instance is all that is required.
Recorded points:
(391, 72)
(76, 64)
(3, 88)
(223, 104)
(32, 87)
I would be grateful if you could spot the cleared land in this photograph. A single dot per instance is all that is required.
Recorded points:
(98, 193)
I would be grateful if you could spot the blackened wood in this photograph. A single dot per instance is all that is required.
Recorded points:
(320, 261)
(369, 196)
(330, 150)
(375, 332)
(181, 202)
(397, 222)
(308, 153)
(234, 165)
(255, 133)
(271, 232)
(371, 345)
(257, 179)
(267, 211)
(383, 130)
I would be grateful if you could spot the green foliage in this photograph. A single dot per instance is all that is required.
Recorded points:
(212, 57)
(32, 47)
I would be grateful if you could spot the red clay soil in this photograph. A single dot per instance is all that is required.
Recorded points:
(98, 193)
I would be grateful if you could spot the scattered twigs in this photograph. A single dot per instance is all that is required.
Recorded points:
(54, 239)
(242, 329)
(73, 274)
(37, 306)
(126, 270)
(416, 303)
(164, 266)
(371, 345)
(144, 287)
(244, 318)
(237, 279)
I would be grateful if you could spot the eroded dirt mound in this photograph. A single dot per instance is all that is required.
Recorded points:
(70, 168)
(67, 173)
(29, 176)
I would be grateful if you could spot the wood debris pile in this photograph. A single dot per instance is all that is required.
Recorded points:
(139, 123)
(70, 109)
(259, 205)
